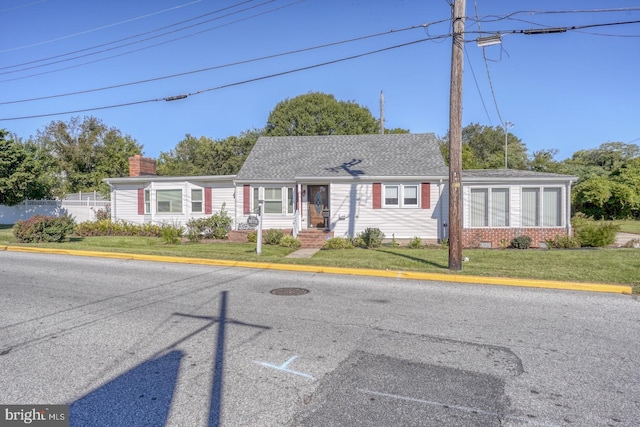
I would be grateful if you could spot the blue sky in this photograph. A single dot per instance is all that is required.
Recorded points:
(568, 91)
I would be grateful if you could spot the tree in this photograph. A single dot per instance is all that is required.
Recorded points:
(319, 114)
(603, 198)
(204, 156)
(601, 161)
(483, 148)
(18, 172)
(543, 161)
(609, 185)
(87, 151)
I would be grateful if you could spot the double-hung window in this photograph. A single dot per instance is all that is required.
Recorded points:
(147, 201)
(196, 200)
(277, 200)
(401, 195)
(391, 197)
(169, 201)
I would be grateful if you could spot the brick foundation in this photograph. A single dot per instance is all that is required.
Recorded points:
(480, 237)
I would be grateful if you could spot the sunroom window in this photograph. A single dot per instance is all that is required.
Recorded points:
(489, 207)
(542, 206)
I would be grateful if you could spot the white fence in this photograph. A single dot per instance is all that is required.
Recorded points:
(80, 210)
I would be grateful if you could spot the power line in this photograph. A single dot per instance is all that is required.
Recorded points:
(509, 16)
(475, 80)
(183, 96)
(99, 28)
(153, 45)
(247, 61)
(11, 9)
(549, 30)
(139, 41)
(486, 66)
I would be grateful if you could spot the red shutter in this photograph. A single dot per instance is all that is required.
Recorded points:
(246, 200)
(208, 208)
(140, 201)
(377, 195)
(426, 195)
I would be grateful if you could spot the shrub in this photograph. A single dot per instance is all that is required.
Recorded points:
(42, 228)
(290, 242)
(597, 234)
(252, 237)
(592, 233)
(222, 223)
(172, 233)
(521, 242)
(273, 236)
(415, 243)
(370, 237)
(565, 242)
(119, 228)
(337, 243)
(102, 214)
(216, 226)
(444, 244)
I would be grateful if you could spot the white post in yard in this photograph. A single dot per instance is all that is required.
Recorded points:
(259, 236)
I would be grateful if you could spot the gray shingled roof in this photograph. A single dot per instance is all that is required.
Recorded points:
(291, 157)
(512, 173)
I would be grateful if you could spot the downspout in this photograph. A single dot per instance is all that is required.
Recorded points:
(568, 214)
(235, 205)
(442, 223)
(298, 209)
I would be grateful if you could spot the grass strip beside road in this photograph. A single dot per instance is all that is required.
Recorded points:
(607, 266)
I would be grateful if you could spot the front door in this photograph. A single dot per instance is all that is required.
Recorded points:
(318, 201)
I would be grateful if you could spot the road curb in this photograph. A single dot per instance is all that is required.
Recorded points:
(413, 275)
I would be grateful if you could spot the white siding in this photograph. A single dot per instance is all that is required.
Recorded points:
(125, 201)
(268, 220)
(352, 211)
(124, 204)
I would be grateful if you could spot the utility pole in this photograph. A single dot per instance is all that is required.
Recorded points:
(381, 113)
(455, 139)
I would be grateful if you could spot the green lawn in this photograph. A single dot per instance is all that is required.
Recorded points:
(628, 226)
(608, 265)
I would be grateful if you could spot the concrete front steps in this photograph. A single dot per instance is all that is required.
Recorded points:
(313, 238)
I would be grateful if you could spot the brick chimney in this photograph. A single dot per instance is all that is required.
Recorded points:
(141, 166)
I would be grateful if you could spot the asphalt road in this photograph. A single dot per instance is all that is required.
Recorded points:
(135, 343)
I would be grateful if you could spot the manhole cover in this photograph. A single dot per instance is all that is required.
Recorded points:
(290, 291)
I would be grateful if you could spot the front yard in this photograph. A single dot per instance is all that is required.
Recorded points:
(607, 265)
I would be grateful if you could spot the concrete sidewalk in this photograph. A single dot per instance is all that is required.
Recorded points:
(395, 274)
(623, 238)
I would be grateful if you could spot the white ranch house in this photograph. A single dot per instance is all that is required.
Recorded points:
(339, 185)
